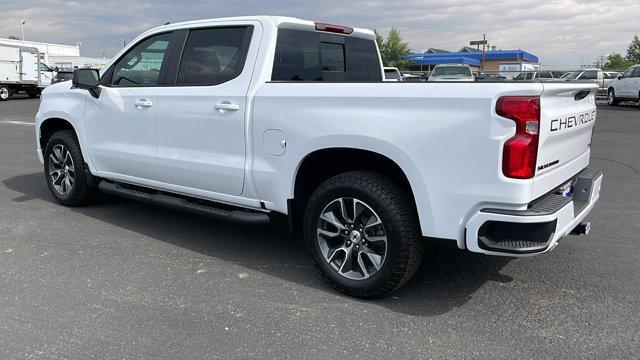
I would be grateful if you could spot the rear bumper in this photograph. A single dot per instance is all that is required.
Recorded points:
(537, 229)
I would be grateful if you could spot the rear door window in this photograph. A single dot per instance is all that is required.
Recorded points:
(313, 56)
(213, 56)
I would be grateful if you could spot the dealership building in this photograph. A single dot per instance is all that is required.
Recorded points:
(429, 58)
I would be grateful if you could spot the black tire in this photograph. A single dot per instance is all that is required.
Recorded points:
(33, 94)
(4, 93)
(394, 206)
(611, 98)
(84, 187)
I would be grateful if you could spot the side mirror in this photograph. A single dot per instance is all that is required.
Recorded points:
(619, 77)
(88, 79)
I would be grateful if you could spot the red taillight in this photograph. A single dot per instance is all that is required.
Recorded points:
(521, 151)
(333, 28)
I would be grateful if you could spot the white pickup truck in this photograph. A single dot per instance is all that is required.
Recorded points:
(240, 118)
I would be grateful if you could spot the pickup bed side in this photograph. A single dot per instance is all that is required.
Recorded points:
(445, 137)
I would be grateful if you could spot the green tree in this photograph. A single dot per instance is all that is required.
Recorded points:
(379, 40)
(13, 37)
(633, 52)
(394, 52)
(616, 61)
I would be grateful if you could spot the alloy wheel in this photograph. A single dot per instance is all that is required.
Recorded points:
(611, 97)
(4, 93)
(352, 238)
(61, 169)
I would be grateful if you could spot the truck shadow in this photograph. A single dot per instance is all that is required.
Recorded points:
(447, 279)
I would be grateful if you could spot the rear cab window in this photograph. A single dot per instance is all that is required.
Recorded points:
(313, 56)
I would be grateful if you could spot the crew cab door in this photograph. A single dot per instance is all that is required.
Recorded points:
(623, 86)
(201, 116)
(635, 87)
(120, 123)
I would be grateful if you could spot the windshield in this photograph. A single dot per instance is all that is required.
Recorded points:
(44, 67)
(573, 75)
(451, 71)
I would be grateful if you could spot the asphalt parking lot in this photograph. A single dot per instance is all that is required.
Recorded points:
(122, 279)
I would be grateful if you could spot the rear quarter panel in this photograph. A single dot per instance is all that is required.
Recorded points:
(445, 137)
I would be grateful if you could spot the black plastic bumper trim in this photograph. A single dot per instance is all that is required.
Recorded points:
(552, 202)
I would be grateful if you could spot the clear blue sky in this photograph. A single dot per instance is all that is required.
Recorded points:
(564, 32)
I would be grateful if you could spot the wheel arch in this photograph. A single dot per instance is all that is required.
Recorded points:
(321, 164)
(52, 125)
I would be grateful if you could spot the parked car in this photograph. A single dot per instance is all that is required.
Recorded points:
(567, 74)
(626, 87)
(264, 115)
(452, 72)
(62, 75)
(489, 77)
(611, 74)
(595, 75)
(19, 71)
(392, 74)
(412, 78)
(541, 75)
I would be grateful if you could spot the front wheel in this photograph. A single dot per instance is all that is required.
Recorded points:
(611, 98)
(362, 233)
(67, 175)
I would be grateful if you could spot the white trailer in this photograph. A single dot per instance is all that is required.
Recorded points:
(19, 71)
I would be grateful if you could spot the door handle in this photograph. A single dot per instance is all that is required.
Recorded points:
(227, 106)
(142, 103)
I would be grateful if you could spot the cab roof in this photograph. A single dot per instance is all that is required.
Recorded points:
(267, 20)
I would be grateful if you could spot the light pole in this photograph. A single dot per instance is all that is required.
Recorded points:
(22, 28)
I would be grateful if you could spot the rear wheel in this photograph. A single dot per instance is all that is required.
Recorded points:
(67, 175)
(611, 98)
(4, 93)
(362, 233)
(32, 94)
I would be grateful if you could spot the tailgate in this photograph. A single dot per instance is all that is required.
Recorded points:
(567, 117)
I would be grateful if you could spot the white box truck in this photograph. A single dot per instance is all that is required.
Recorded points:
(19, 71)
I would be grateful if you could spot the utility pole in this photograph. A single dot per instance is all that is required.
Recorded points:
(22, 22)
(482, 42)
